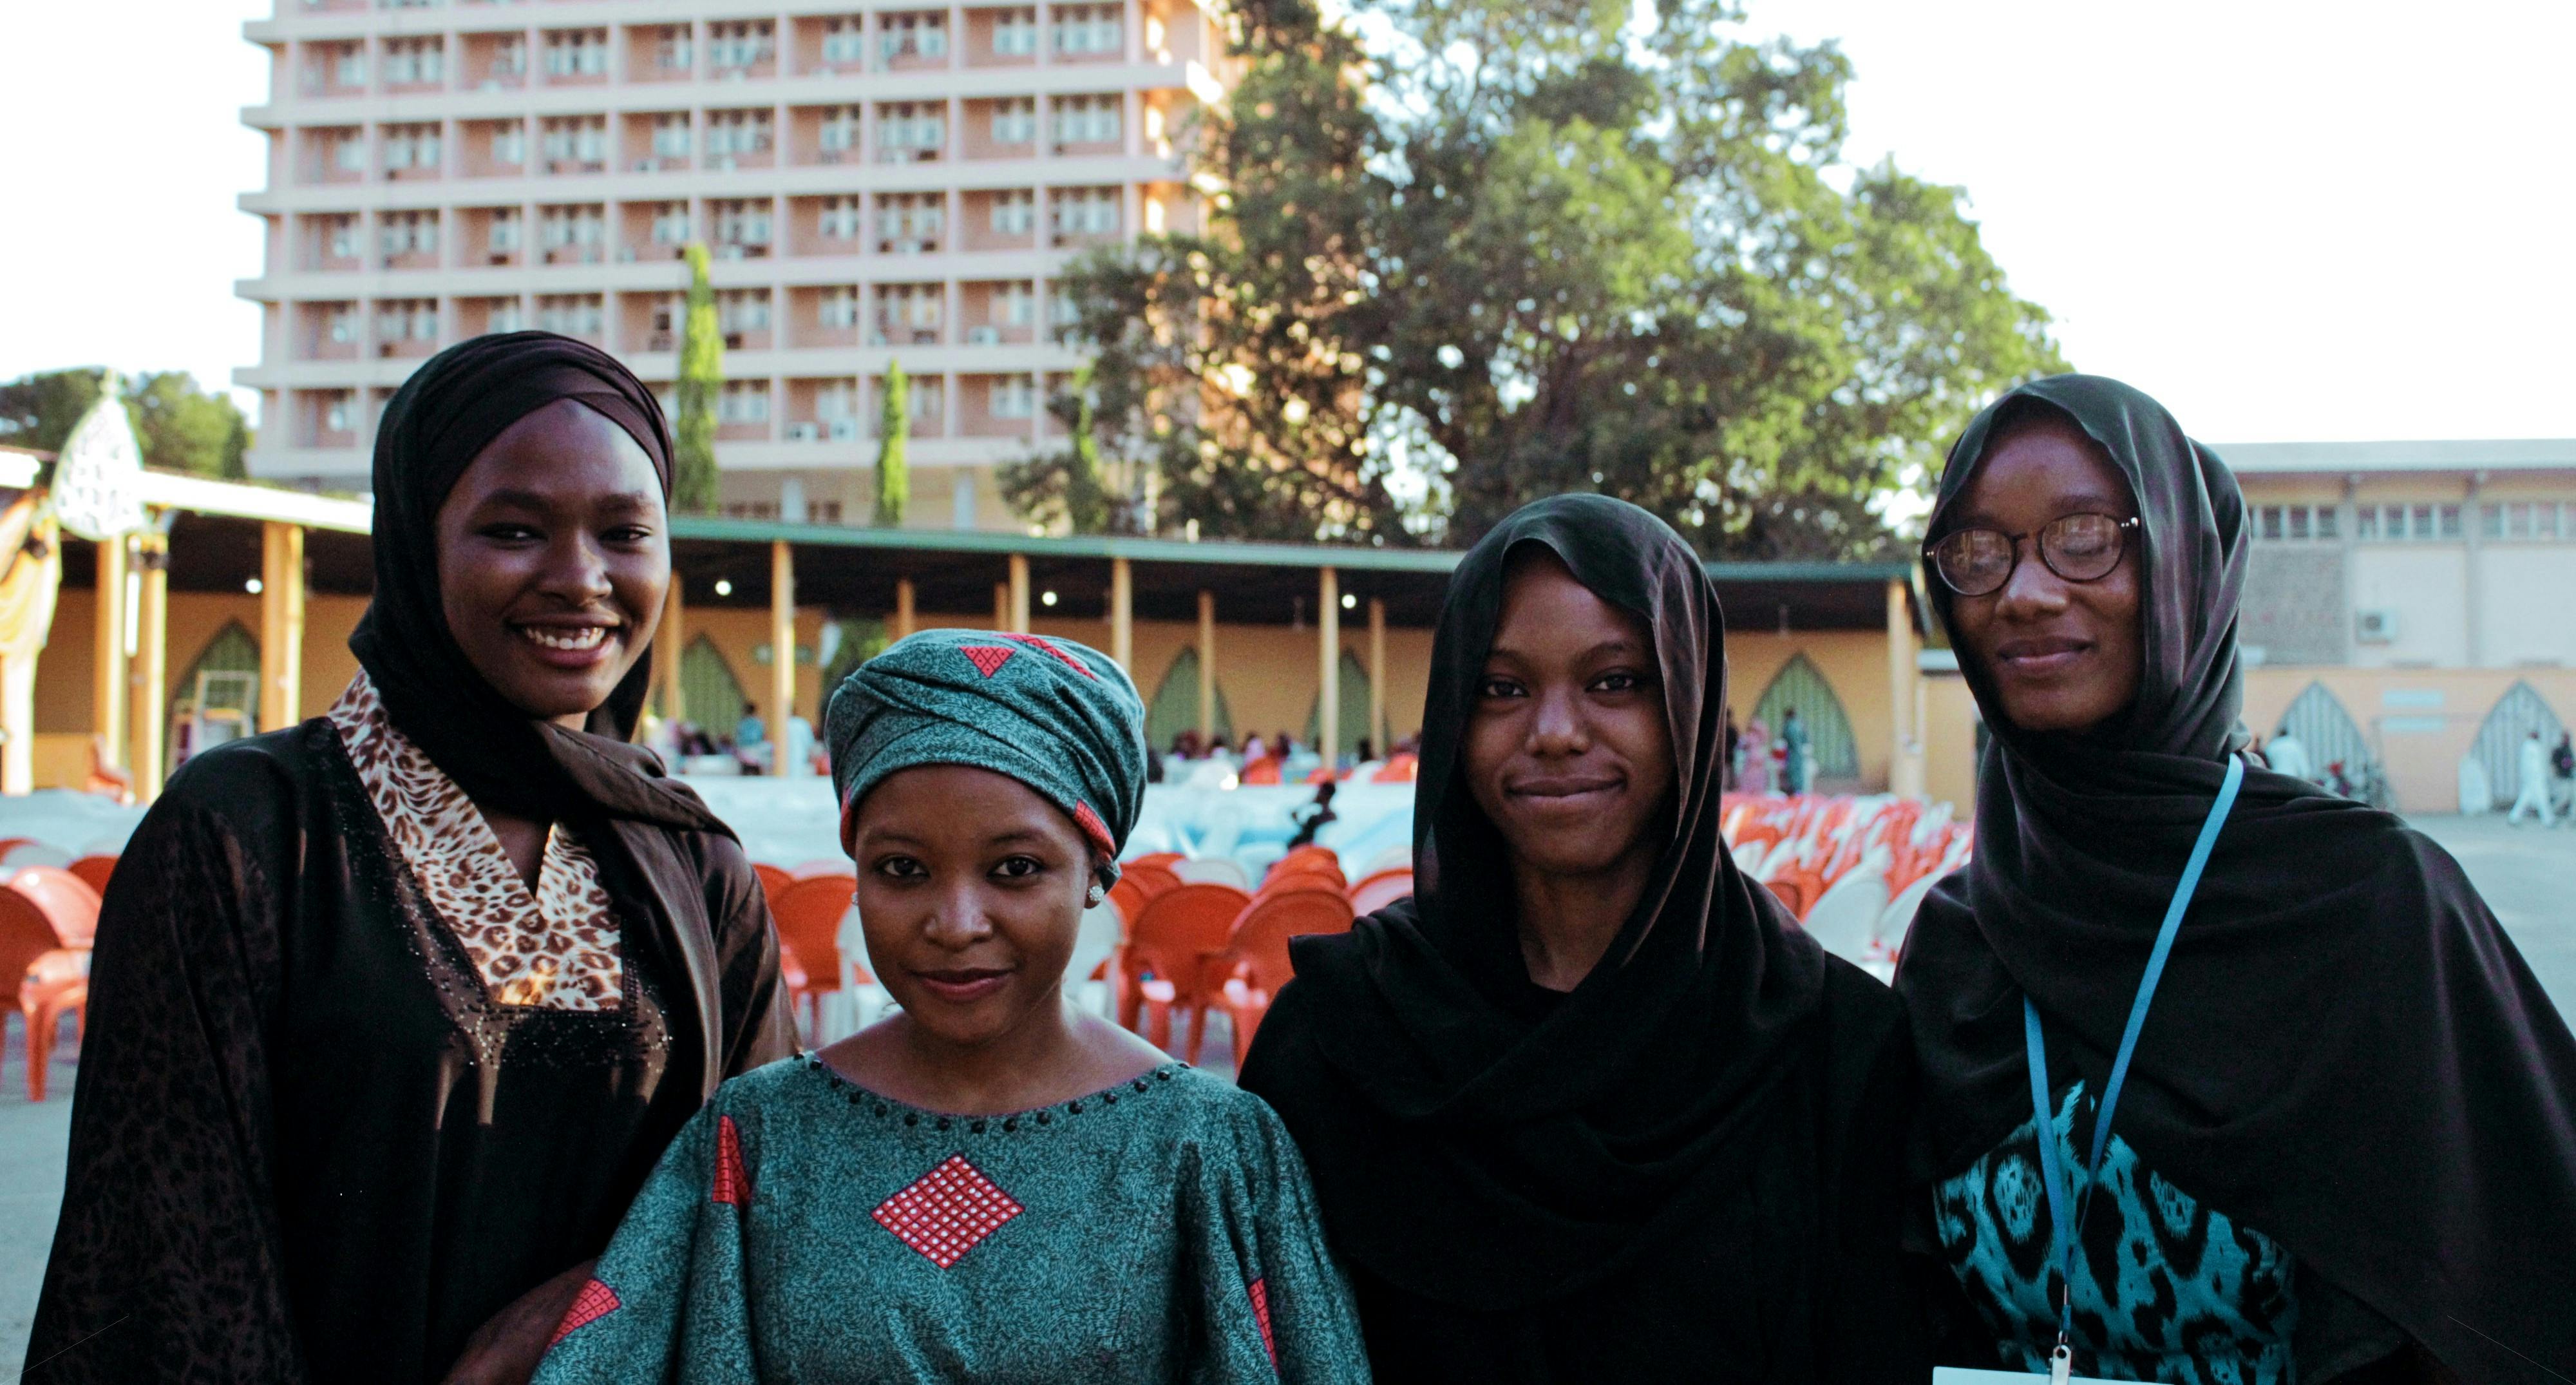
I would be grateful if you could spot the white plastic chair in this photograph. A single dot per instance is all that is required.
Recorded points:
(857, 1004)
(1213, 870)
(34, 854)
(1094, 943)
(1844, 919)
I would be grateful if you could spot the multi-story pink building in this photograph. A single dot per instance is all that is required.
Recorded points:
(879, 181)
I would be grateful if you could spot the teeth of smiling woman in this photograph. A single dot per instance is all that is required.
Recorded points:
(588, 637)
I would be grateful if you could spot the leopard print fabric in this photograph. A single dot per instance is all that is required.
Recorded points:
(554, 949)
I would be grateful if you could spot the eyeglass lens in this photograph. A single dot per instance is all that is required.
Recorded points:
(2079, 548)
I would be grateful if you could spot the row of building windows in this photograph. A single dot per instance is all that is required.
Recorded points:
(733, 49)
(836, 405)
(2414, 522)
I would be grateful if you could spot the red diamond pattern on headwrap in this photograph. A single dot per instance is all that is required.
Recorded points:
(732, 1185)
(947, 1211)
(1261, 1313)
(988, 658)
(1042, 642)
(595, 1301)
(1094, 828)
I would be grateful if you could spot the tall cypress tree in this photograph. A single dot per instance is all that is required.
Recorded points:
(894, 432)
(693, 480)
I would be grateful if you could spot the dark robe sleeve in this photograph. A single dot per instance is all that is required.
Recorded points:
(166, 1262)
(759, 1024)
(1870, 1322)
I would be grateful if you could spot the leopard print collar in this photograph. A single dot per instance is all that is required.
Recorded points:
(553, 948)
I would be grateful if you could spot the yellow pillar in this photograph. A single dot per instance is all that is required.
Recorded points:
(670, 646)
(1122, 615)
(1378, 733)
(107, 685)
(782, 653)
(904, 620)
(281, 625)
(1019, 594)
(1905, 750)
(1328, 696)
(151, 668)
(1207, 667)
(1001, 607)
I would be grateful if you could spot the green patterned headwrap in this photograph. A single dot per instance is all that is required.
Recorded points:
(1055, 715)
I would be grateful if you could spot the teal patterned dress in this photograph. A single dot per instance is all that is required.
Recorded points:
(804, 1228)
(2166, 1288)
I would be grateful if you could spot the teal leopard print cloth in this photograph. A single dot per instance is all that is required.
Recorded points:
(2165, 1288)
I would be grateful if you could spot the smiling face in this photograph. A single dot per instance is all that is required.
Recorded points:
(971, 892)
(2063, 656)
(553, 559)
(1567, 750)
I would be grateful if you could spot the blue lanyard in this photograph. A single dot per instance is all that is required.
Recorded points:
(2052, 1177)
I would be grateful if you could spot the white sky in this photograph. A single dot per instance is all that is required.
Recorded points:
(2288, 220)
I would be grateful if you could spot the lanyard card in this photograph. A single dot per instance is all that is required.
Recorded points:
(1953, 1375)
(1956, 1376)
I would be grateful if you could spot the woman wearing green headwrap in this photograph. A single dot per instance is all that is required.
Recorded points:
(991, 1185)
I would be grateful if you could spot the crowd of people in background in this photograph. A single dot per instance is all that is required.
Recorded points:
(1758, 761)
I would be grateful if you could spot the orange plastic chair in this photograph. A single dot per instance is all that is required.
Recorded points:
(1262, 771)
(94, 872)
(1175, 959)
(1398, 769)
(1375, 892)
(48, 977)
(1159, 858)
(67, 901)
(773, 883)
(809, 914)
(1260, 952)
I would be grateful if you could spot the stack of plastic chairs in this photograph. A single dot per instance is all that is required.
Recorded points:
(48, 919)
(811, 914)
(1258, 947)
(1174, 959)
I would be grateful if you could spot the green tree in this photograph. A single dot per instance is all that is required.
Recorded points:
(693, 464)
(180, 427)
(1071, 485)
(1537, 248)
(894, 434)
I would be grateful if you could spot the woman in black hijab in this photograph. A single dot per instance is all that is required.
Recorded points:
(1589, 1106)
(393, 1011)
(2344, 1145)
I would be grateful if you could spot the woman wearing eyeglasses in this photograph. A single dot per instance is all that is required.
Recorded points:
(2226, 1079)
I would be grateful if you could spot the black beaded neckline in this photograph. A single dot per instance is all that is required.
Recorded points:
(886, 1108)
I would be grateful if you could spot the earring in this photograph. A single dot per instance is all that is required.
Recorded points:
(1093, 898)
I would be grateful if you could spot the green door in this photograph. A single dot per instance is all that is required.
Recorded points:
(1175, 707)
(711, 697)
(1801, 685)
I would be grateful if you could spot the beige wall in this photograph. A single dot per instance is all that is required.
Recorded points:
(1854, 663)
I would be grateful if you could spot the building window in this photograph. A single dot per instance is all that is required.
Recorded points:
(840, 219)
(576, 141)
(1014, 213)
(413, 146)
(409, 233)
(343, 243)
(911, 130)
(1015, 122)
(581, 230)
(742, 225)
(1086, 29)
(845, 41)
(1088, 119)
(577, 53)
(339, 411)
(743, 401)
(1018, 305)
(2295, 523)
(910, 222)
(501, 235)
(671, 224)
(510, 59)
(929, 398)
(349, 66)
(672, 51)
(914, 36)
(340, 323)
(839, 308)
(909, 314)
(742, 310)
(1015, 33)
(1085, 211)
(671, 136)
(839, 132)
(505, 316)
(349, 151)
(1014, 396)
(740, 45)
(407, 319)
(736, 134)
(510, 144)
(572, 314)
(415, 61)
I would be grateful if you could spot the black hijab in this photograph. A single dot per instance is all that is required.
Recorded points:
(1487, 1152)
(2346, 1053)
(450, 410)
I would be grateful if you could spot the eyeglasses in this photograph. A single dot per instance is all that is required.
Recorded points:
(2079, 548)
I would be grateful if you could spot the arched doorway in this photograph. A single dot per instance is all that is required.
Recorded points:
(1800, 684)
(711, 698)
(2498, 747)
(217, 698)
(2317, 717)
(1354, 708)
(1175, 707)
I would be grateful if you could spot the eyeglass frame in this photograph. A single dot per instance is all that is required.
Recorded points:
(2122, 527)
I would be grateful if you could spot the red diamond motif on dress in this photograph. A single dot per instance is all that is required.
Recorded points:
(988, 658)
(1261, 1311)
(947, 1211)
(595, 1301)
(732, 1185)
(1042, 642)
(1094, 828)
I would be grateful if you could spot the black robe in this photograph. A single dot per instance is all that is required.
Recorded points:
(306, 1145)
(1687, 1168)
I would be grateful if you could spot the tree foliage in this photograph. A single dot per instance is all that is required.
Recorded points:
(1072, 486)
(180, 427)
(1532, 248)
(894, 438)
(693, 461)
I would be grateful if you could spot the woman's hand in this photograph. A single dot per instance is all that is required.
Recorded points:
(506, 1350)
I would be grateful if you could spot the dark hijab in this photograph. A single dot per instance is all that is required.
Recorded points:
(1475, 1148)
(449, 411)
(2346, 1053)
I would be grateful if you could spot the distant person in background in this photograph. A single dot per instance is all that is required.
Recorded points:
(2563, 761)
(1315, 817)
(1756, 748)
(800, 744)
(2287, 755)
(1253, 749)
(2531, 766)
(751, 732)
(1797, 763)
(1365, 751)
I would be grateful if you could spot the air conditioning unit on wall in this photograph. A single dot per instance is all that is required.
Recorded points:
(2375, 626)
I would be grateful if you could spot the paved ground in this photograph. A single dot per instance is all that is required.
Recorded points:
(2526, 874)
